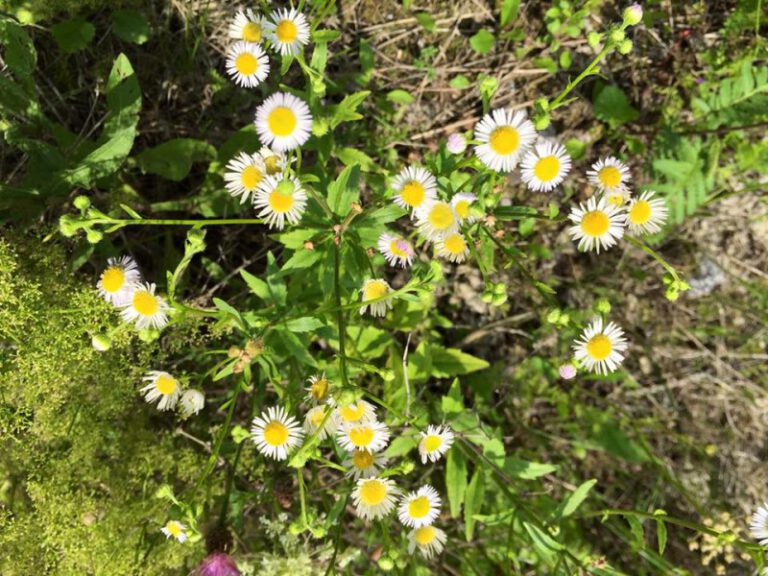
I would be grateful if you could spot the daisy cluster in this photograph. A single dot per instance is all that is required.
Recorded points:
(356, 429)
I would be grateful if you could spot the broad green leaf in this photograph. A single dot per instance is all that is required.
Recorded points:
(301, 259)
(447, 362)
(290, 345)
(455, 480)
(257, 285)
(352, 156)
(400, 446)
(346, 110)
(20, 54)
(460, 82)
(173, 159)
(400, 96)
(473, 501)
(545, 545)
(344, 190)
(73, 35)
(325, 35)
(304, 324)
(131, 26)
(527, 470)
(453, 402)
(493, 449)
(509, 9)
(575, 499)
(482, 42)
(230, 311)
(612, 106)
(615, 441)
(426, 21)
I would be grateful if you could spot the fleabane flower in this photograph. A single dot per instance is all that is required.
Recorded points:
(419, 508)
(243, 175)
(192, 401)
(434, 443)
(163, 387)
(248, 27)
(288, 31)
(596, 225)
(318, 389)
(283, 122)
(314, 420)
(396, 250)
(456, 143)
(609, 175)
(364, 464)
(504, 136)
(461, 204)
(274, 162)
(414, 187)
(646, 215)
(275, 433)
(453, 247)
(145, 308)
(599, 347)
(369, 436)
(436, 220)
(545, 167)
(759, 525)
(372, 289)
(360, 412)
(280, 200)
(374, 497)
(175, 530)
(429, 540)
(247, 64)
(118, 280)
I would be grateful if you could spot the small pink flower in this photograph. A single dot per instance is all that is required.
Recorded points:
(567, 371)
(218, 564)
(456, 144)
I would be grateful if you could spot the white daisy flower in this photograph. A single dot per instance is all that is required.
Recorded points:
(364, 464)
(314, 419)
(646, 215)
(192, 401)
(374, 497)
(244, 174)
(288, 31)
(545, 167)
(609, 175)
(599, 349)
(283, 122)
(280, 200)
(360, 412)
(248, 27)
(145, 308)
(370, 436)
(318, 389)
(434, 443)
(414, 188)
(118, 280)
(419, 508)
(596, 225)
(436, 220)
(618, 197)
(503, 136)
(759, 525)
(176, 530)
(274, 162)
(247, 64)
(453, 247)
(396, 250)
(429, 540)
(162, 386)
(461, 204)
(372, 289)
(275, 433)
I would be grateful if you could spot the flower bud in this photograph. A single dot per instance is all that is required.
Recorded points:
(625, 47)
(456, 144)
(94, 236)
(567, 371)
(101, 342)
(69, 225)
(82, 202)
(633, 14)
(593, 39)
(617, 36)
(603, 306)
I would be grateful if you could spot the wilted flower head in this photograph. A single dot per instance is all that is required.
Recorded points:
(218, 564)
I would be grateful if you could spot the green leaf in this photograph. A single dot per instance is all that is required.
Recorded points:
(453, 402)
(527, 470)
(230, 311)
(447, 362)
(304, 324)
(455, 480)
(482, 41)
(346, 110)
(351, 156)
(257, 285)
(460, 82)
(291, 345)
(612, 106)
(615, 441)
(344, 190)
(173, 159)
(473, 501)
(130, 26)
(509, 9)
(400, 96)
(400, 446)
(426, 21)
(73, 35)
(661, 535)
(20, 54)
(545, 545)
(325, 35)
(301, 259)
(575, 499)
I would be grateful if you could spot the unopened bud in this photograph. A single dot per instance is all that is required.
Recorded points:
(633, 14)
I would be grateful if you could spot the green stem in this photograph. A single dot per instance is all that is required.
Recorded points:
(230, 483)
(220, 440)
(340, 314)
(173, 222)
(650, 251)
(557, 102)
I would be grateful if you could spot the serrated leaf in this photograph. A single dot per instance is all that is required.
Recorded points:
(612, 106)
(346, 110)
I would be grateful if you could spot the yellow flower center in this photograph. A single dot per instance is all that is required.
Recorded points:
(640, 212)
(246, 63)
(174, 528)
(615, 199)
(441, 216)
(375, 289)
(165, 384)
(462, 209)
(547, 168)
(504, 140)
(595, 223)
(353, 412)
(424, 535)
(286, 31)
(275, 433)
(272, 164)
(282, 121)
(145, 303)
(113, 279)
(599, 347)
(252, 32)
(395, 248)
(250, 177)
(373, 492)
(362, 459)
(455, 244)
(432, 443)
(280, 203)
(413, 193)
(418, 507)
(361, 436)
(609, 176)
(316, 416)
(319, 389)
